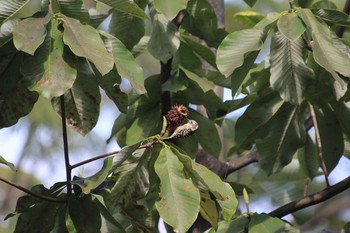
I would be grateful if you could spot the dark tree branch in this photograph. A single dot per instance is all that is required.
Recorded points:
(94, 159)
(312, 199)
(65, 146)
(37, 195)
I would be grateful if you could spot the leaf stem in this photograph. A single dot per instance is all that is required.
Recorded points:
(319, 143)
(94, 159)
(292, 5)
(37, 195)
(65, 147)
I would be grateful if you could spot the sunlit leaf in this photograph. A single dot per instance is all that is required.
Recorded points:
(52, 71)
(30, 33)
(5, 162)
(326, 54)
(204, 83)
(89, 183)
(208, 209)
(82, 101)
(170, 8)
(230, 54)
(180, 200)
(290, 25)
(289, 73)
(248, 18)
(85, 41)
(284, 137)
(126, 6)
(125, 62)
(164, 41)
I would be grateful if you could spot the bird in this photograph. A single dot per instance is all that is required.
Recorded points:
(184, 130)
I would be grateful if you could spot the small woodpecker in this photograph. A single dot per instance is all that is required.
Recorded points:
(185, 130)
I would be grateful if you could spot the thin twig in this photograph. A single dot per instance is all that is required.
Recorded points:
(37, 195)
(291, 5)
(65, 147)
(306, 186)
(94, 159)
(312, 199)
(319, 143)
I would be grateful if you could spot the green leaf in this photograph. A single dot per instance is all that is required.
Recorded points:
(263, 223)
(126, 6)
(89, 183)
(71, 8)
(164, 41)
(107, 216)
(120, 25)
(342, 112)
(51, 72)
(78, 222)
(125, 62)
(254, 119)
(326, 54)
(10, 8)
(30, 33)
(333, 16)
(207, 134)
(222, 191)
(290, 25)
(180, 200)
(331, 136)
(170, 8)
(236, 225)
(5, 162)
(208, 209)
(231, 51)
(250, 3)
(203, 83)
(110, 84)
(6, 31)
(85, 41)
(131, 176)
(82, 101)
(284, 137)
(308, 158)
(248, 18)
(289, 73)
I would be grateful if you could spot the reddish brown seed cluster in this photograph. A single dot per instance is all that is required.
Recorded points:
(176, 116)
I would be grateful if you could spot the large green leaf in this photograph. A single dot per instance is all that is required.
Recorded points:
(126, 6)
(248, 18)
(180, 200)
(255, 117)
(77, 221)
(120, 25)
(82, 101)
(230, 54)
(326, 54)
(89, 183)
(170, 8)
(331, 136)
(164, 41)
(333, 16)
(10, 9)
(289, 73)
(208, 209)
(125, 62)
(30, 33)
(71, 8)
(222, 191)
(308, 158)
(203, 83)
(284, 137)
(85, 41)
(6, 30)
(207, 134)
(342, 112)
(130, 173)
(263, 223)
(236, 225)
(51, 72)
(290, 25)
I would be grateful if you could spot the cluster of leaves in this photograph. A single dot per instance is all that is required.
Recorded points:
(56, 48)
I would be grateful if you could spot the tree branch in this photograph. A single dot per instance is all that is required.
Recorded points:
(94, 159)
(65, 146)
(312, 199)
(37, 195)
